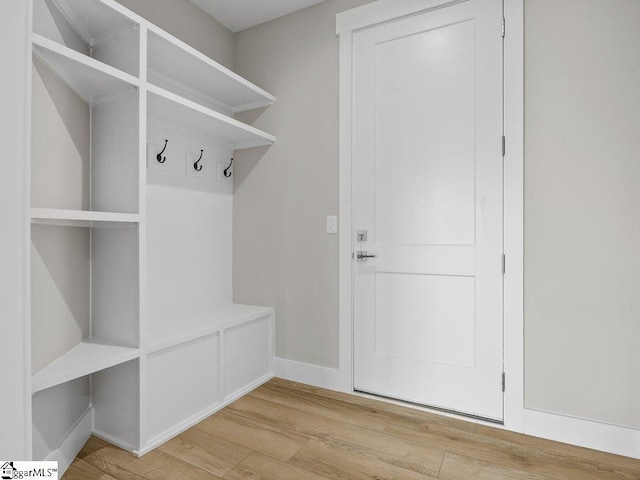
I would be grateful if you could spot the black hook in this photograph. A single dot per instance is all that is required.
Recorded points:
(197, 167)
(159, 157)
(226, 172)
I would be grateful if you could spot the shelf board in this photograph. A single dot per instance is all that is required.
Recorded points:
(175, 62)
(82, 218)
(96, 20)
(171, 108)
(83, 359)
(90, 79)
(185, 330)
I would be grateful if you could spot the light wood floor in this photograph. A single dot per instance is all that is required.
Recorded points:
(289, 431)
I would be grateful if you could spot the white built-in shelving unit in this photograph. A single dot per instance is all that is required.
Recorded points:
(134, 333)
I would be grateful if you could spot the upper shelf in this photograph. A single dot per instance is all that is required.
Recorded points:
(175, 65)
(94, 21)
(171, 108)
(88, 77)
(82, 218)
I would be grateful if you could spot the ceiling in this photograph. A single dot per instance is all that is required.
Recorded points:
(238, 15)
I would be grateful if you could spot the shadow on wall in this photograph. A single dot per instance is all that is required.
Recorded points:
(60, 267)
(67, 34)
(60, 144)
(246, 161)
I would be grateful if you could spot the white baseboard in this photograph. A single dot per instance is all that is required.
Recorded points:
(583, 433)
(113, 440)
(323, 377)
(198, 417)
(73, 442)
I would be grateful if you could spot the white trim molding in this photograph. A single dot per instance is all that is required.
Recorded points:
(15, 121)
(583, 432)
(576, 431)
(316, 375)
(345, 249)
(379, 12)
(73, 441)
(514, 215)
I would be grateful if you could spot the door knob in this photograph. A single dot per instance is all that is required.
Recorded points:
(361, 255)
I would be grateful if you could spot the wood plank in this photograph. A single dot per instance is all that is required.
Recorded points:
(113, 461)
(206, 451)
(92, 445)
(341, 464)
(154, 465)
(508, 454)
(285, 430)
(81, 470)
(460, 467)
(258, 437)
(262, 467)
(368, 443)
(626, 464)
(380, 407)
(335, 409)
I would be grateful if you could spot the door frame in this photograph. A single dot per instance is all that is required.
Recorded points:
(379, 12)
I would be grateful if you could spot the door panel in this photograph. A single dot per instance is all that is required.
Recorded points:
(426, 317)
(424, 167)
(427, 187)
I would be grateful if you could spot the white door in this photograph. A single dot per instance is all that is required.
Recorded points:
(427, 189)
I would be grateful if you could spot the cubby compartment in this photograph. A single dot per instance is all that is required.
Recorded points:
(115, 397)
(90, 28)
(105, 403)
(85, 140)
(85, 301)
(52, 424)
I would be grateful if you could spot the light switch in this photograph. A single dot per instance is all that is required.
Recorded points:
(332, 224)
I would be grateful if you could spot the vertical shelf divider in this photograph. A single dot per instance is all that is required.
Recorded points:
(142, 232)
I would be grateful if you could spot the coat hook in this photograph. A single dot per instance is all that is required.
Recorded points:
(196, 165)
(159, 157)
(227, 171)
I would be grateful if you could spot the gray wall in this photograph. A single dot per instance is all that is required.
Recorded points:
(582, 208)
(187, 22)
(282, 256)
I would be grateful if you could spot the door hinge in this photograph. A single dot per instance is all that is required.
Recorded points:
(503, 26)
(504, 264)
(504, 145)
(504, 380)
